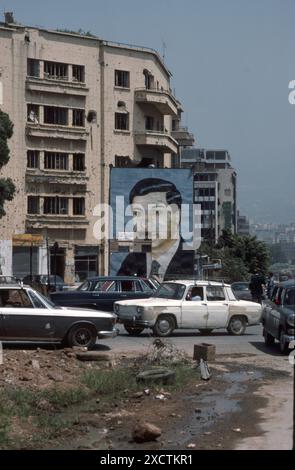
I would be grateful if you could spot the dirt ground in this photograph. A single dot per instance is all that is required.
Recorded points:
(222, 413)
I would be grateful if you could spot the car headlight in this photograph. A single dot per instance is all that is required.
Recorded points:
(291, 320)
(117, 308)
(139, 310)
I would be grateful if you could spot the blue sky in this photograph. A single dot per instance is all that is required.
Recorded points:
(231, 61)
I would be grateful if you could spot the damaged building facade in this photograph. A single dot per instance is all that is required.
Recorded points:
(80, 105)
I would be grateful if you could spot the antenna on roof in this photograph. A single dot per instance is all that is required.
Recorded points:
(164, 49)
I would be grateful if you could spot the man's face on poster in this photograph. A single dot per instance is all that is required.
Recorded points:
(155, 219)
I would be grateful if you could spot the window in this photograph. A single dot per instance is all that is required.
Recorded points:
(33, 68)
(128, 286)
(55, 115)
(106, 286)
(33, 113)
(78, 117)
(56, 161)
(55, 70)
(78, 73)
(215, 293)
(290, 297)
(33, 205)
(122, 121)
(122, 78)
(33, 158)
(55, 205)
(79, 162)
(79, 206)
(149, 123)
(227, 192)
(122, 162)
(14, 298)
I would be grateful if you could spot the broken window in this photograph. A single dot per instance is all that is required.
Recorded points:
(33, 113)
(122, 121)
(122, 162)
(78, 73)
(55, 115)
(122, 78)
(79, 162)
(33, 68)
(56, 161)
(56, 205)
(78, 117)
(78, 206)
(33, 204)
(55, 70)
(33, 158)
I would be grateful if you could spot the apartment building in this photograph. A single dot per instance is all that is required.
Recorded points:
(80, 105)
(215, 189)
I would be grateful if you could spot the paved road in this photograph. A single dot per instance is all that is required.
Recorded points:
(251, 342)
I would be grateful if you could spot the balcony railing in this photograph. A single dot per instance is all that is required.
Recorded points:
(159, 139)
(163, 100)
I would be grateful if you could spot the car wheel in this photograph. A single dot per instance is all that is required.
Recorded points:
(133, 331)
(206, 331)
(237, 326)
(268, 339)
(284, 346)
(164, 326)
(83, 336)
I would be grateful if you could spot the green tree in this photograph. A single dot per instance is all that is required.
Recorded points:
(7, 188)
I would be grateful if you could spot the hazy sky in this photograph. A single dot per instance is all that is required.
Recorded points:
(231, 61)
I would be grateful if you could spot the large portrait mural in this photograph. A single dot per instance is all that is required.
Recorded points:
(152, 222)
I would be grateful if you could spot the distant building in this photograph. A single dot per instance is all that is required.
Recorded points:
(243, 225)
(215, 189)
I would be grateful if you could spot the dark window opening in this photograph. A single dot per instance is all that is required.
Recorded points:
(33, 158)
(149, 123)
(122, 162)
(79, 162)
(33, 68)
(33, 205)
(122, 121)
(79, 206)
(79, 73)
(33, 113)
(55, 115)
(56, 161)
(55, 70)
(78, 117)
(56, 205)
(122, 78)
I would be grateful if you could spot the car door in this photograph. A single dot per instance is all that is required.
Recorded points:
(274, 314)
(22, 320)
(218, 307)
(194, 313)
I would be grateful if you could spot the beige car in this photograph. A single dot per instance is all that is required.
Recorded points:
(196, 305)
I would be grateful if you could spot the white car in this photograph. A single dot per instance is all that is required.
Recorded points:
(202, 305)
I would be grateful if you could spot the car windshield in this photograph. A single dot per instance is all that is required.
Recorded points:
(170, 290)
(40, 301)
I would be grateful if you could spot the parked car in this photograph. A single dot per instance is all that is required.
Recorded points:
(45, 283)
(102, 292)
(8, 280)
(278, 316)
(201, 305)
(241, 290)
(26, 315)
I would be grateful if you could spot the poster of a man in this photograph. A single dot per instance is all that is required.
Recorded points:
(156, 201)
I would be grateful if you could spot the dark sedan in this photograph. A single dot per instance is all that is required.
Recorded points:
(102, 292)
(278, 316)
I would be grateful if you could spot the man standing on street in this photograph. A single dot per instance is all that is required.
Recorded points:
(256, 286)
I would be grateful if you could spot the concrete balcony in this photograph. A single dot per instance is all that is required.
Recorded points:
(62, 87)
(183, 137)
(53, 131)
(163, 100)
(160, 140)
(53, 221)
(35, 176)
